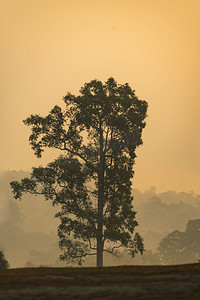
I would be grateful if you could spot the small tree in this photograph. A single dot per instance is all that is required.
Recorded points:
(181, 247)
(98, 132)
(3, 262)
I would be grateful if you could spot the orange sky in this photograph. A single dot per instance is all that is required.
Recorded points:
(49, 47)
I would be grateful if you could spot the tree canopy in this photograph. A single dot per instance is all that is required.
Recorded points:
(97, 133)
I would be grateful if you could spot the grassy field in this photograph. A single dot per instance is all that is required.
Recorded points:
(124, 282)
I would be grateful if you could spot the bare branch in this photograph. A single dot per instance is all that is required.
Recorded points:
(111, 251)
(86, 254)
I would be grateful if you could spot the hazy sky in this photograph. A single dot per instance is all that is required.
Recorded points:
(49, 47)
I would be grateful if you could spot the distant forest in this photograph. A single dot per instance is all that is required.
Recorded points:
(28, 229)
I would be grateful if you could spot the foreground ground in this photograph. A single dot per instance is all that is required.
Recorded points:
(125, 282)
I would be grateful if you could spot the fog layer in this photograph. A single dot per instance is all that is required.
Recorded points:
(28, 229)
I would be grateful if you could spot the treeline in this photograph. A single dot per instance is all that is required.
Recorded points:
(158, 214)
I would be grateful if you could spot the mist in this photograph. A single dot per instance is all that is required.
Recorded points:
(28, 229)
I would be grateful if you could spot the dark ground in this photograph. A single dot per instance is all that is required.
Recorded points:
(125, 282)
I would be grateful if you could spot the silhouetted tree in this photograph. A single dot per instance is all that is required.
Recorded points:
(3, 262)
(181, 247)
(98, 132)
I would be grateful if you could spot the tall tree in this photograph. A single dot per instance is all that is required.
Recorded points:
(97, 132)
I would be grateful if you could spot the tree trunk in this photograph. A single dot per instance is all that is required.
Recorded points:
(100, 205)
(99, 253)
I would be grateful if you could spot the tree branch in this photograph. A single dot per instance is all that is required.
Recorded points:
(92, 248)
(112, 249)
(77, 154)
(83, 213)
(106, 142)
(111, 138)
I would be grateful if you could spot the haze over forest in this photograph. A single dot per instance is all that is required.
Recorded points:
(50, 47)
(28, 229)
